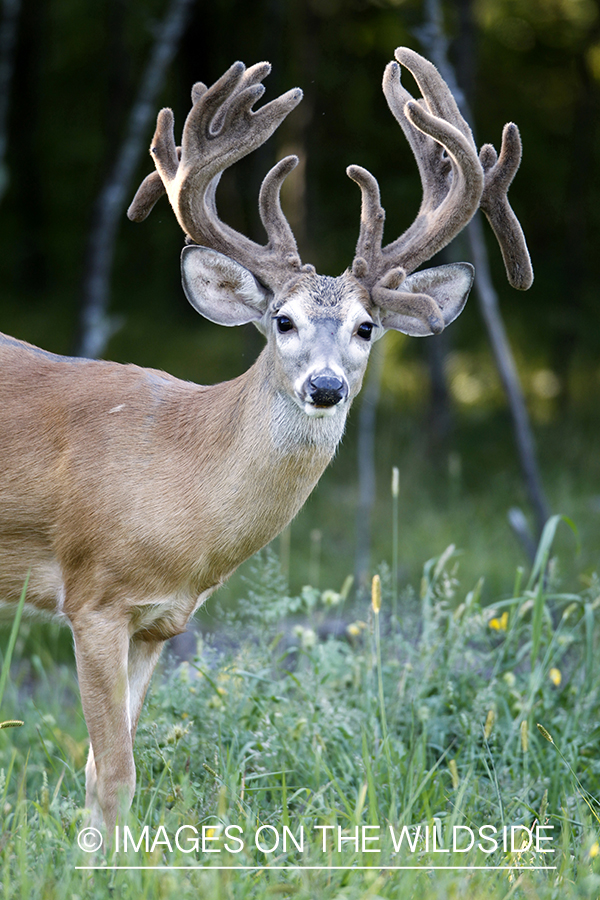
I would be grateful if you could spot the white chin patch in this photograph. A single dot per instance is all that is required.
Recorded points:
(319, 412)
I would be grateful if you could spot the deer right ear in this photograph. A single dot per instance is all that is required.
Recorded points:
(220, 289)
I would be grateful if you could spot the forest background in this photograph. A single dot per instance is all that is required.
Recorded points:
(71, 72)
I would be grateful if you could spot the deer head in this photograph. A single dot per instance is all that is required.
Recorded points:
(232, 280)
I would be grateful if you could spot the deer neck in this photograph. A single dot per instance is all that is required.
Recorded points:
(271, 457)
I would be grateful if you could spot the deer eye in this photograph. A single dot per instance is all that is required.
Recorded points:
(284, 323)
(364, 331)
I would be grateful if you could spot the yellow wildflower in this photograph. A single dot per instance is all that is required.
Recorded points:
(555, 676)
(500, 624)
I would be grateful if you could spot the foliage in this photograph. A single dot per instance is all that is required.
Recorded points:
(280, 723)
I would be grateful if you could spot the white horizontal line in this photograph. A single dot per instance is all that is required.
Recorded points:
(329, 868)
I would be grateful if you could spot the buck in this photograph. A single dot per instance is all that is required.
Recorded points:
(128, 495)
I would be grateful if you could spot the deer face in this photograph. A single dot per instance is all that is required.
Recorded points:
(319, 329)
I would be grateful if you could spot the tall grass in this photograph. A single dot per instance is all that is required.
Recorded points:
(310, 714)
(5, 670)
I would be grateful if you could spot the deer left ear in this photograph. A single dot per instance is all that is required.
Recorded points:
(426, 301)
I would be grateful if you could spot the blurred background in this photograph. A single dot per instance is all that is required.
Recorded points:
(77, 112)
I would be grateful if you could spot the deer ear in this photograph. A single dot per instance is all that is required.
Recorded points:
(220, 289)
(448, 286)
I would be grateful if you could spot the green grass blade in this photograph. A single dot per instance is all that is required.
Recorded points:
(12, 640)
(545, 545)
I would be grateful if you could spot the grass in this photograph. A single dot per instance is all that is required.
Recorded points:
(322, 729)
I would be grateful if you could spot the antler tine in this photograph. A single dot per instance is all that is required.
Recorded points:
(499, 173)
(239, 81)
(234, 92)
(166, 158)
(434, 89)
(372, 219)
(149, 192)
(281, 237)
(220, 129)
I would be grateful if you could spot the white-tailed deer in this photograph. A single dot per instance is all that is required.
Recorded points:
(129, 495)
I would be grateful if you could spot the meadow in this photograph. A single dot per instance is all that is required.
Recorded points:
(414, 739)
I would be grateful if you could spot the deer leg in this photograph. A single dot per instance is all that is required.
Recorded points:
(143, 656)
(101, 653)
(142, 659)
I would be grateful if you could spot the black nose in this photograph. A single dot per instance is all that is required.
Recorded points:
(326, 390)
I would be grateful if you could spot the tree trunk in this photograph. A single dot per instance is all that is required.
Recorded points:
(433, 37)
(95, 325)
(366, 467)
(8, 42)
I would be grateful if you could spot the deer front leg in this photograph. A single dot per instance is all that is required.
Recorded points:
(142, 658)
(101, 653)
